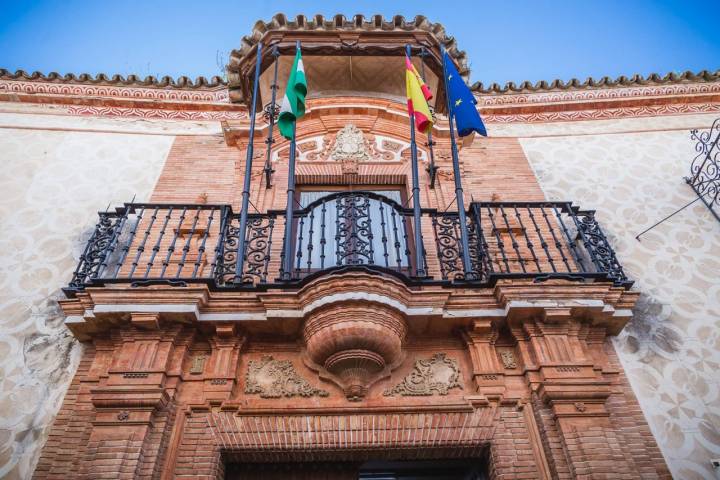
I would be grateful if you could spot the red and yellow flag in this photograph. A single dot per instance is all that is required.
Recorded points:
(417, 96)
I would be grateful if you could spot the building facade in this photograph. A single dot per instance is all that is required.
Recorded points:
(142, 345)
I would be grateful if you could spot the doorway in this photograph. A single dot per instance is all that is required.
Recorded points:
(466, 469)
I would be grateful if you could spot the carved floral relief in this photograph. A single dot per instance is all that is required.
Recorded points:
(435, 375)
(277, 378)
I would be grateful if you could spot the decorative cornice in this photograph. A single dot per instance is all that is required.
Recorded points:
(358, 23)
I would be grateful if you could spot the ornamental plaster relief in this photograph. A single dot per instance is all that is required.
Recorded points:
(53, 182)
(272, 378)
(435, 375)
(351, 145)
(671, 349)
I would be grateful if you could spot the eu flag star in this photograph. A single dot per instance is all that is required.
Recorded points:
(458, 102)
(450, 77)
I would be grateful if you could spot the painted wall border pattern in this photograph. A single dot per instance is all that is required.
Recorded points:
(218, 94)
(605, 114)
(154, 113)
(597, 94)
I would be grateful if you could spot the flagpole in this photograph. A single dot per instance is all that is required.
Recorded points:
(419, 248)
(271, 111)
(432, 168)
(240, 256)
(467, 264)
(290, 206)
(289, 212)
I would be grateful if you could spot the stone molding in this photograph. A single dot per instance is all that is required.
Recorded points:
(100, 308)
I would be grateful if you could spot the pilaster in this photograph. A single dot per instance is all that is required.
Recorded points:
(487, 374)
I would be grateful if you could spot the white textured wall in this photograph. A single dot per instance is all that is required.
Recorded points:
(52, 183)
(671, 349)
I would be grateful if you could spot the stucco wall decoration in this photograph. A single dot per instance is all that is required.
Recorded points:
(671, 349)
(53, 183)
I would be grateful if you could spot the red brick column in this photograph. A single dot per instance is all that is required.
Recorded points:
(198, 455)
(72, 426)
(511, 451)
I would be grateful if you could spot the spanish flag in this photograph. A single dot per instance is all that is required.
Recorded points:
(417, 96)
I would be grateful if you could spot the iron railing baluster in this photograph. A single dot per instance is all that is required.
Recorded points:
(558, 243)
(571, 243)
(156, 247)
(370, 236)
(271, 227)
(543, 243)
(398, 257)
(513, 241)
(338, 254)
(310, 246)
(171, 247)
(499, 240)
(218, 272)
(323, 241)
(299, 254)
(384, 235)
(201, 248)
(131, 237)
(528, 242)
(186, 248)
(408, 257)
(141, 247)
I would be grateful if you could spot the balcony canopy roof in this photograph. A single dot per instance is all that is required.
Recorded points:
(357, 55)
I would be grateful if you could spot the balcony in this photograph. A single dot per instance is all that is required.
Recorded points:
(179, 244)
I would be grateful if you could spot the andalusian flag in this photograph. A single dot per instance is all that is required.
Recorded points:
(293, 104)
(417, 96)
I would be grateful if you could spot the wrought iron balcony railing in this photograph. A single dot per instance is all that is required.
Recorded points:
(145, 243)
(704, 175)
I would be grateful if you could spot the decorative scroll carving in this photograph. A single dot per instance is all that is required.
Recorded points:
(508, 359)
(277, 378)
(433, 375)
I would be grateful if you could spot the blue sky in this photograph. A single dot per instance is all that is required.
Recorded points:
(524, 40)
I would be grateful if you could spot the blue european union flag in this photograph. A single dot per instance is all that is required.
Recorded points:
(462, 102)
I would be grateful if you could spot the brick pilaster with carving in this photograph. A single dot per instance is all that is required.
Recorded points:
(222, 366)
(133, 400)
(488, 375)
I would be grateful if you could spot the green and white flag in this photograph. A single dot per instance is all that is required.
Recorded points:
(293, 104)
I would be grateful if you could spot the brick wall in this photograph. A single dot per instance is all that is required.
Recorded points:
(136, 411)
